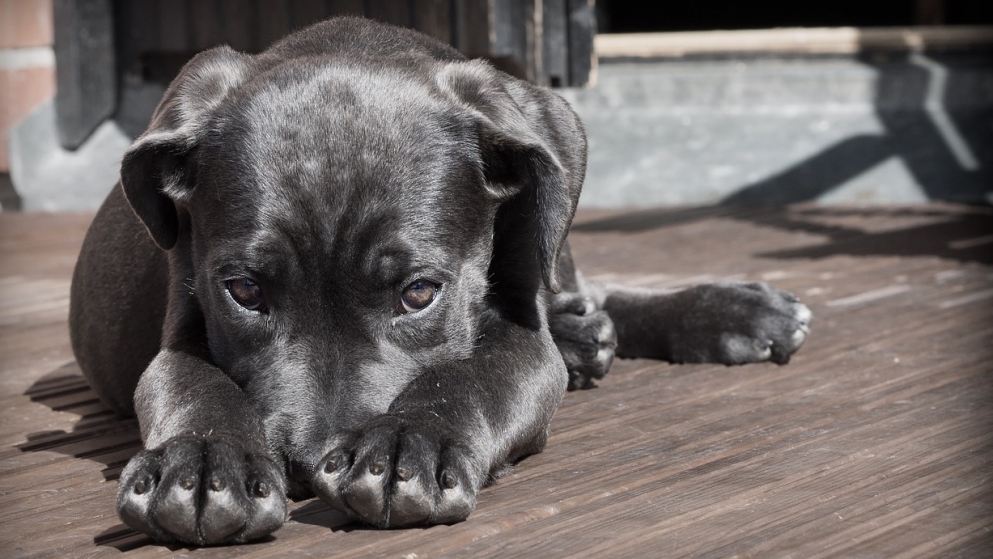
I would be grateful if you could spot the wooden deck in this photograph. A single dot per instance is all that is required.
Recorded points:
(876, 441)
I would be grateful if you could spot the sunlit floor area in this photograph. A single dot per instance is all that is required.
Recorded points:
(875, 441)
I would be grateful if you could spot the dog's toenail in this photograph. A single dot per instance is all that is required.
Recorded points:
(188, 483)
(403, 473)
(448, 480)
(376, 468)
(262, 489)
(216, 484)
(140, 487)
(588, 307)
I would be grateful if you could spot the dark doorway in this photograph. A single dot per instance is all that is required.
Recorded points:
(637, 16)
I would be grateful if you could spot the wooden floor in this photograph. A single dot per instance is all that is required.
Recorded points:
(876, 441)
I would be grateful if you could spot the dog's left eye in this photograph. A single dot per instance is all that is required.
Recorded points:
(418, 295)
(247, 293)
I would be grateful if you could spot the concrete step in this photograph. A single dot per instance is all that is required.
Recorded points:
(836, 129)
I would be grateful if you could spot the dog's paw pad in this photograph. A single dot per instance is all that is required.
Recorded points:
(781, 322)
(586, 338)
(737, 323)
(200, 490)
(398, 473)
(177, 510)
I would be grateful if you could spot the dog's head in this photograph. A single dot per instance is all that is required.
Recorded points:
(346, 224)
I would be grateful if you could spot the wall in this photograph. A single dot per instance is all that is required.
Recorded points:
(27, 63)
(881, 129)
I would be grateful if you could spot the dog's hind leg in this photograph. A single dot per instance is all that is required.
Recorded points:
(118, 303)
(730, 323)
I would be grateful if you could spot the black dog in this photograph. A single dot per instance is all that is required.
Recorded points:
(359, 287)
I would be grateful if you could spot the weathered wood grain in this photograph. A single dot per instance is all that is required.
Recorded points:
(875, 441)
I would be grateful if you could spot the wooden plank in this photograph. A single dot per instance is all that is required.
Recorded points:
(347, 7)
(874, 440)
(582, 54)
(555, 43)
(273, 21)
(534, 43)
(238, 24)
(509, 50)
(806, 40)
(306, 12)
(389, 11)
(173, 19)
(125, 37)
(205, 19)
(473, 33)
(434, 18)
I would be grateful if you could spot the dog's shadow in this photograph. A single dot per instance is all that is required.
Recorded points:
(316, 513)
(104, 437)
(99, 435)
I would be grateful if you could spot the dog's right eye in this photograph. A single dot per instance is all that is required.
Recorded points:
(418, 295)
(247, 293)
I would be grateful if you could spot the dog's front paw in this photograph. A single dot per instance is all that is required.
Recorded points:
(737, 323)
(399, 472)
(202, 491)
(585, 337)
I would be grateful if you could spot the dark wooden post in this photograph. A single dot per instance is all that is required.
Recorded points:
(509, 37)
(555, 43)
(582, 28)
(86, 76)
(433, 17)
(471, 21)
(548, 41)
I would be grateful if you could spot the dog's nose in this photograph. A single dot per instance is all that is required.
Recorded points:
(302, 470)
(300, 473)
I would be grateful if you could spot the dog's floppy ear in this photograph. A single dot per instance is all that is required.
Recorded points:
(533, 151)
(158, 169)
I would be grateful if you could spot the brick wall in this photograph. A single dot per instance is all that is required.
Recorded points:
(27, 63)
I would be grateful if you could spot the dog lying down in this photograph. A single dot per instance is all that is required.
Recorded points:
(339, 267)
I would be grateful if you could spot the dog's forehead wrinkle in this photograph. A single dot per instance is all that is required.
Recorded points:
(328, 177)
(361, 225)
(340, 106)
(334, 94)
(318, 157)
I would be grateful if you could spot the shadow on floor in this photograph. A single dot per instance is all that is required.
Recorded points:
(104, 437)
(961, 234)
(123, 539)
(933, 121)
(100, 435)
(963, 237)
(318, 513)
